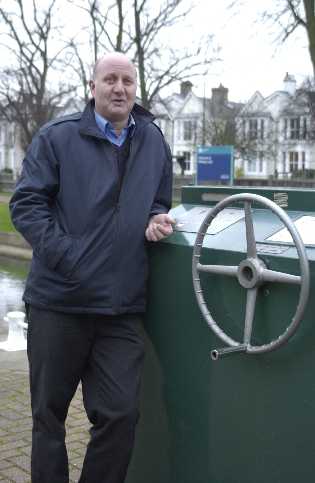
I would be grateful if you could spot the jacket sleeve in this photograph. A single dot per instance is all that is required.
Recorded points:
(163, 198)
(32, 207)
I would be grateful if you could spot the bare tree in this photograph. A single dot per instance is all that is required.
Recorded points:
(26, 96)
(289, 15)
(159, 64)
(105, 25)
(309, 25)
(138, 27)
(250, 147)
(104, 28)
(220, 132)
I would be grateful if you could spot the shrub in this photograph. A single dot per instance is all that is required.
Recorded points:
(7, 171)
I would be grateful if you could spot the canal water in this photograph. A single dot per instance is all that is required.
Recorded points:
(12, 279)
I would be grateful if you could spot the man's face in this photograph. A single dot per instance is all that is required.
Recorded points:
(114, 88)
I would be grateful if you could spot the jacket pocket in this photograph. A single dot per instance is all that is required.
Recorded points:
(66, 266)
(93, 263)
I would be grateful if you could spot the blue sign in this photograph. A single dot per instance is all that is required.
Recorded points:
(215, 163)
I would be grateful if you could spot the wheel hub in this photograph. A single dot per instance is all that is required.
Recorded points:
(249, 272)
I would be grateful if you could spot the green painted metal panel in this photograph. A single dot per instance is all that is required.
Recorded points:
(301, 200)
(244, 418)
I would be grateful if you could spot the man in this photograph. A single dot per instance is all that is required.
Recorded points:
(94, 187)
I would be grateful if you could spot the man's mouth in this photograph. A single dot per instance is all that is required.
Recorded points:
(118, 102)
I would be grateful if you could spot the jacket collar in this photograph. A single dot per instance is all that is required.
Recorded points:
(88, 124)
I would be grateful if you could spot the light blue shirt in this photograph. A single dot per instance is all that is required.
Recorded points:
(107, 129)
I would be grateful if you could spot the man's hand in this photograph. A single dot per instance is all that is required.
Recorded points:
(160, 226)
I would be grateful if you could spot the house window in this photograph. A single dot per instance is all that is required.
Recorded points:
(178, 130)
(243, 135)
(261, 161)
(295, 128)
(253, 166)
(188, 131)
(256, 166)
(187, 157)
(303, 160)
(253, 128)
(284, 162)
(262, 129)
(10, 139)
(285, 129)
(293, 161)
(304, 128)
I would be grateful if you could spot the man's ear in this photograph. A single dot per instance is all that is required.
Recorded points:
(92, 85)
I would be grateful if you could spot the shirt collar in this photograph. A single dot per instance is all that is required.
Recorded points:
(104, 123)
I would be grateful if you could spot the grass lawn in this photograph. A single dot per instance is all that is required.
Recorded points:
(5, 221)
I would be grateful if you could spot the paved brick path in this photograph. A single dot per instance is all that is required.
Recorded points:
(15, 418)
(15, 423)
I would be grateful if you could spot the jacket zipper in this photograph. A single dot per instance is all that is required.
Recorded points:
(117, 292)
(122, 181)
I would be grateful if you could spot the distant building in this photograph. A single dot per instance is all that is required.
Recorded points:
(11, 152)
(272, 135)
(188, 120)
(275, 134)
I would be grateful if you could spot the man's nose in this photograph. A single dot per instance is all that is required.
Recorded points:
(119, 86)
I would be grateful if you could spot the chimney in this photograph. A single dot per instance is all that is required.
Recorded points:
(185, 88)
(289, 84)
(219, 95)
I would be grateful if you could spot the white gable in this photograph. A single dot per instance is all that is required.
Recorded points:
(275, 103)
(193, 105)
(254, 104)
(174, 103)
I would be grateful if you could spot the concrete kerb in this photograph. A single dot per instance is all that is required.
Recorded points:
(4, 198)
(13, 245)
(15, 252)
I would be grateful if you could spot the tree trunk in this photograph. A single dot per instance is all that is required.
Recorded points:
(140, 55)
(309, 6)
(119, 39)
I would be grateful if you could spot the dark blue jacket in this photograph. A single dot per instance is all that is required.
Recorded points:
(88, 232)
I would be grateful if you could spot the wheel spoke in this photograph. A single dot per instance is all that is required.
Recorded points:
(219, 269)
(273, 276)
(250, 236)
(250, 312)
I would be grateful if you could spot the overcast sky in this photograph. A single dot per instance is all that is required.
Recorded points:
(251, 59)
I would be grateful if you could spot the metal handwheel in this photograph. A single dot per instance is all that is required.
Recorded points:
(251, 274)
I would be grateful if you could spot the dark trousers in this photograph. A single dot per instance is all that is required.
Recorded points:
(105, 353)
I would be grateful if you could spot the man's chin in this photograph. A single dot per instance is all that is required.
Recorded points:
(119, 114)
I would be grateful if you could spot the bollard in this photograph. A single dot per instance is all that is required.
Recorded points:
(16, 340)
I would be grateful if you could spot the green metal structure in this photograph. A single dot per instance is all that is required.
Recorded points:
(247, 417)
